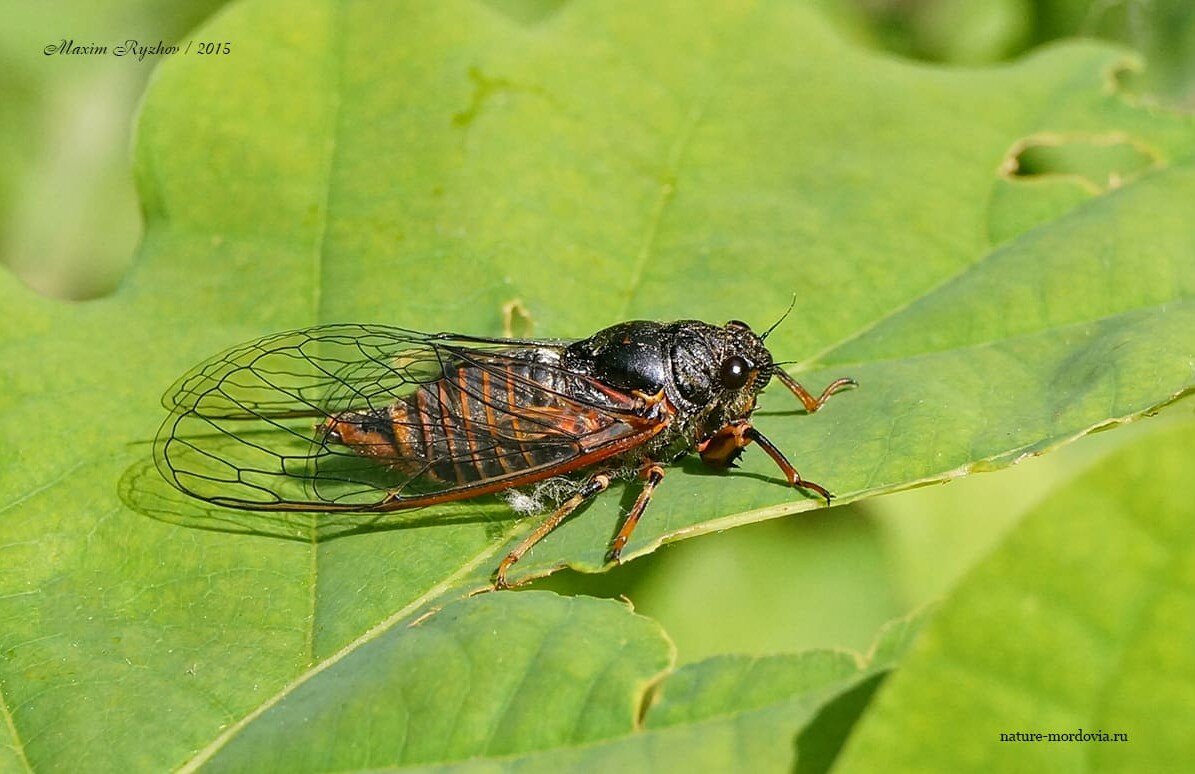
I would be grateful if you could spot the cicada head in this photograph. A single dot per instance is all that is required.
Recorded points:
(720, 369)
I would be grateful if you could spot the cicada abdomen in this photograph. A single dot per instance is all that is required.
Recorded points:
(486, 418)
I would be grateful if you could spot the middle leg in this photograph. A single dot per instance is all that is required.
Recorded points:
(652, 474)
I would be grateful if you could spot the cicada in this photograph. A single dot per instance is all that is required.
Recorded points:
(377, 418)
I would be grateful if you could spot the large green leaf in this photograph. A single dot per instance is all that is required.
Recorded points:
(422, 165)
(536, 682)
(494, 677)
(1082, 621)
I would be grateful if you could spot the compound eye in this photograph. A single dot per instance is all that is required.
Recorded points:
(734, 372)
(738, 325)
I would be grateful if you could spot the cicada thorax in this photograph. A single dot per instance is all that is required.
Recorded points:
(478, 421)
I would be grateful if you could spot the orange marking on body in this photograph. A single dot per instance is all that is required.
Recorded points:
(500, 483)
(406, 458)
(476, 488)
(466, 422)
(425, 427)
(567, 420)
(512, 409)
(442, 394)
(489, 416)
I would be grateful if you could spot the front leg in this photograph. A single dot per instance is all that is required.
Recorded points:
(722, 448)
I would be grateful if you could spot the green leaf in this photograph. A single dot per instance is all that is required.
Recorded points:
(736, 591)
(534, 681)
(767, 698)
(492, 677)
(1082, 620)
(425, 165)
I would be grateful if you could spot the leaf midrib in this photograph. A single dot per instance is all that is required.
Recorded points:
(319, 268)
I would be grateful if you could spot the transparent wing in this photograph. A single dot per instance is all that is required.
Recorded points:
(369, 417)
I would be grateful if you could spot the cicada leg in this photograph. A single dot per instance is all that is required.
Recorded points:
(594, 486)
(652, 475)
(723, 447)
(811, 403)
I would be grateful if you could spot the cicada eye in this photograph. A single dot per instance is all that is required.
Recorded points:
(738, 325)
(734, 372)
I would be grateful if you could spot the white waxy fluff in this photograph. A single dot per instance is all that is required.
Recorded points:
(543, 495)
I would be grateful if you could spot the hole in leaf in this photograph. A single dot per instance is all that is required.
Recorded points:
(1099, 163)
(517, 322)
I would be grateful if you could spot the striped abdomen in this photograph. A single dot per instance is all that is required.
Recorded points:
(476, 423)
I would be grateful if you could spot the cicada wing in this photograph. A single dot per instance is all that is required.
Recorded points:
(254, 427)
(244, 425)
(295, 373)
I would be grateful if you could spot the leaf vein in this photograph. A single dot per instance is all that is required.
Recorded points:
(1075, 325)
(10, 723)
(204, 755)
(664, 197)
(814, 360)
(531, 666)
(38, 490)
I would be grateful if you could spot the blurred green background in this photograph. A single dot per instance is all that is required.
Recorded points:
(69, 224)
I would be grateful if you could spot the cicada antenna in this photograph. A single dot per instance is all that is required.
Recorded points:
(791, 304)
